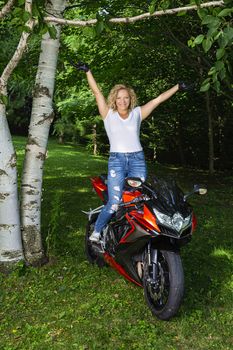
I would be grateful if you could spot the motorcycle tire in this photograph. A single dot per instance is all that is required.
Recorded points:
(164, 296)
(91, 255)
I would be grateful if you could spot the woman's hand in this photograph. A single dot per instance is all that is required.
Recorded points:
(83, 67)
(80, 66)
(185, 87)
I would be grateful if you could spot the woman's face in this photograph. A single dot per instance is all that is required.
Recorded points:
(122, 100)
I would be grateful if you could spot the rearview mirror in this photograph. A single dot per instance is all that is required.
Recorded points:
(202, 190)
(134, 182)
(199, 189)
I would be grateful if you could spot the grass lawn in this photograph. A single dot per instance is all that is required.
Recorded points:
(69, 304)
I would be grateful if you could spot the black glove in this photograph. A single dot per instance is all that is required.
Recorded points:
(83, 66)
(185, 87)
(80, 66)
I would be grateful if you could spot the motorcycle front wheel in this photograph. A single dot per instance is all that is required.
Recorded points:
(164, 289)
(92, 256)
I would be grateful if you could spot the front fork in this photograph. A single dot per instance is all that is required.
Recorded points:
(152, 255)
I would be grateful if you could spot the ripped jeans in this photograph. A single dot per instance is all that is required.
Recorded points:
(120, 166)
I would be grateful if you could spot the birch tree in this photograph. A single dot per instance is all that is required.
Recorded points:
(35, 154)
(10, 236)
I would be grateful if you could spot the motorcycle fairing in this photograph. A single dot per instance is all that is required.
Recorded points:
(100, 188)
(112, 262)
(128, 196)
(170, 198)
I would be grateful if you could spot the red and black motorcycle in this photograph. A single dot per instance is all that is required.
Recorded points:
(142, 240)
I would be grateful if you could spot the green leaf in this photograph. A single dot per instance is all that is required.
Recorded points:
(202, 13)
(191, 43)
(26, 16)
(4, 99)
(211, 21)
(217, 35)
(220, 53)
(205, 87)
(228, 31)
(17, 11)
(52, 32)
(206, 44)
(16, 21)
(198, 40)
(212, 32)
(219, 65)
(225, 12)
(229, 67)
(222, 73)
(223, 40)
(89, 31)
(43, 28)
(165, 4)
(99, 27)
(181, 13)
(152, 7)
(217, 86)
(26, 29)
(212, 71)
(35, 9)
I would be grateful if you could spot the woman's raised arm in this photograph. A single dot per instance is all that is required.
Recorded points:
(148, 108)
(100, 99)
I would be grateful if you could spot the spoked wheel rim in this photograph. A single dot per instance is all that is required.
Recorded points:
(164, 293)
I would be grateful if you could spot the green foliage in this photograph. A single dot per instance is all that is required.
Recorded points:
(217, 44)
(4, 99)
(150, 56)
(152, 6)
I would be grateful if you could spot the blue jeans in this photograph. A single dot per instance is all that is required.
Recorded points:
(120, 166)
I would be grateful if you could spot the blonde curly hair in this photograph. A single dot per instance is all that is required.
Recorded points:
(113, 96)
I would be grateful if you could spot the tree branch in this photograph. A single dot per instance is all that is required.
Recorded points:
(18, 52)
(77, 23)
(6, 8)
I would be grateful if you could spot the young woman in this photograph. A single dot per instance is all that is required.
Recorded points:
(122, 120)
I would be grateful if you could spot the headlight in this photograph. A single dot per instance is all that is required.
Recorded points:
(176, 221)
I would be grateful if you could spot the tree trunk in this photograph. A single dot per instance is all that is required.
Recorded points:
(94, 138)
(35, 153)
(180, 143)
(11, 250)
(210, 134)
(10, 237)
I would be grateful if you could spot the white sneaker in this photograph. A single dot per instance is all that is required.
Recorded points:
(95, 236)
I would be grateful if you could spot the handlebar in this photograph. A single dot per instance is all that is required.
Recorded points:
(135, 200)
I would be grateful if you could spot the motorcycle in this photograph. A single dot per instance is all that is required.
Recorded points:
(142, 241)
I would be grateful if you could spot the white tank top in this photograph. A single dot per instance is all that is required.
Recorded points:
(123, 134)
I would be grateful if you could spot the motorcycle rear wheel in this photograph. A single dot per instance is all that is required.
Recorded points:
(91, 255)
(164, 296)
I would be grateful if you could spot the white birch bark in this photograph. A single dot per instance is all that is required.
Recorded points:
(6, 8)
(127, 20)
(11, 249)
(10, 237)
(41, 119)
